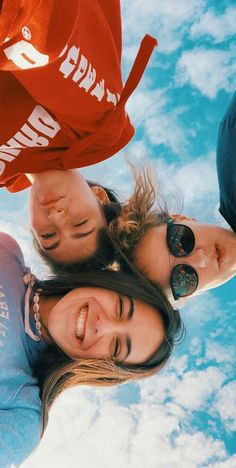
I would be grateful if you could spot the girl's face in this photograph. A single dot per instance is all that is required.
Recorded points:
(99, 323)
(213, 257)
(66, 215)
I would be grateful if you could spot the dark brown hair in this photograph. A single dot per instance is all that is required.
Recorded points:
(56, 371)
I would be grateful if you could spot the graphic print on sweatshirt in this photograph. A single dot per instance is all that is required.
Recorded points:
(4, 316)
(76, 66)
(38, 130)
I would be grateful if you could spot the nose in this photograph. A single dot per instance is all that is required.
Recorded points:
(198, 259)
(56, 211)
(108, 326)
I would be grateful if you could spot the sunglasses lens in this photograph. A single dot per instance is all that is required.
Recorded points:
(184, 281)
(180, 240)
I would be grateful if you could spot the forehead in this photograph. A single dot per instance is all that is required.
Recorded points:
(152, 255)
(74, 249)
(152, 241)
(147, 333)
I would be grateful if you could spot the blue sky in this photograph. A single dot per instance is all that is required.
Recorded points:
(184, 417)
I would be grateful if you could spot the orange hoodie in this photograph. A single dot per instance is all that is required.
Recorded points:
(61, 85)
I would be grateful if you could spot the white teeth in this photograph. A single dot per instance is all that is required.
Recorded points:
(80, 322)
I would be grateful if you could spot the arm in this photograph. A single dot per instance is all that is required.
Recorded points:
(226, 164)
(19, 435)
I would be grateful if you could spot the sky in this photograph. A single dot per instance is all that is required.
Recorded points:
(186, 416)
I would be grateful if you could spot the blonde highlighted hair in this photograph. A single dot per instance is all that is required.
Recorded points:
(92, 372)
(142, 211)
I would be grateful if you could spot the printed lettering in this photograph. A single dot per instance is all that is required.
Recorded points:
(111, 97)
(69, 64)
(10, 148)
(81, 70)
(99, 90)
(24, 55)
(85, 75)
(4, 313)
(43, 121)
(2, 167)
(28, 137)
(6, 157)
(3, 329)
(89, 79)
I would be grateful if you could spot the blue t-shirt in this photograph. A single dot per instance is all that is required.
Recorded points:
(20, 404)
(226, 164)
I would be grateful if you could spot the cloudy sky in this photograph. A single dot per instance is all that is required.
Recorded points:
(186, 416)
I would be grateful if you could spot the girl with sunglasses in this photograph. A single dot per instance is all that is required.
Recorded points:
(98, 329)
(190, 257)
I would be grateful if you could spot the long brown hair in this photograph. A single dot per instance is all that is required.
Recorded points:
(56, 371)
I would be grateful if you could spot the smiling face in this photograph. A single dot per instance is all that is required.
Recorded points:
(66, 215)
(98, 323)
(213, 256)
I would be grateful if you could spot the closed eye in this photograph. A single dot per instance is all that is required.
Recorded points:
(117, 348)
(48, 235)
(80, 224)
(121, 304)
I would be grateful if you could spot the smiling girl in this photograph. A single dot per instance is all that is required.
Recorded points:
(99, 328)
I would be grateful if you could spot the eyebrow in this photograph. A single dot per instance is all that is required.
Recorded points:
(128, 339)
(53, 246)
(79, 235)
(131, 309)
(75, 236)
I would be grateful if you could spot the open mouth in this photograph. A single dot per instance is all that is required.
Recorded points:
(81, 322)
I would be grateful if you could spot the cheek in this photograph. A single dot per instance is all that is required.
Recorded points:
(36, 218)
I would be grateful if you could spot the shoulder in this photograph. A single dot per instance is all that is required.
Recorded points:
(226, 167)
(11, 247)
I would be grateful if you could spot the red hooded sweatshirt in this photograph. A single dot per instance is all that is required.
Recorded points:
(61, 91)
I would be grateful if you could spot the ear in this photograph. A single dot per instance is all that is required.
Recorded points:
(101, 194)
(179, 217)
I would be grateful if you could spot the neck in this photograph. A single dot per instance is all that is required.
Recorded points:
(31, 177)
(46, 303)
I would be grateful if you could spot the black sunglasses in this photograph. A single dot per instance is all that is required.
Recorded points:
(181, 242)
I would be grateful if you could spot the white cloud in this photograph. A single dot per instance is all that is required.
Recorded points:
(196, 346)
(219, 353)
(148, 109)
(181, 184)
(94, 430)
(229, 463)
(165, 20)
(185, 180)
(226, 405)
(197, 387)
(208, 70)
(201, 309)
(219, 27)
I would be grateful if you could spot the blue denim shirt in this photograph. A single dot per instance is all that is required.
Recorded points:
(20, 404)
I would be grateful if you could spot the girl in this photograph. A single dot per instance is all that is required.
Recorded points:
(69, 331)
(64, 98)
